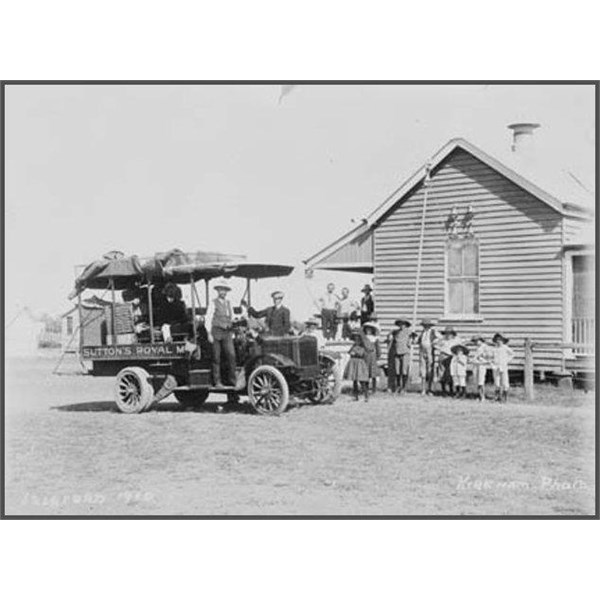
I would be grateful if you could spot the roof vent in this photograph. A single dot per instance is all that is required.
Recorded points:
(522, 137)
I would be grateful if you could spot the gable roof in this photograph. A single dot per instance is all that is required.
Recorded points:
(555, 186)
(348, 238)
(561, 190)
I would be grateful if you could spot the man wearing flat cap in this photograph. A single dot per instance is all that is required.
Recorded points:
(219, 318)
(277, 317)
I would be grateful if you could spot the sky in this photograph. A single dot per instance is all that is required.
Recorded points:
(232, 168)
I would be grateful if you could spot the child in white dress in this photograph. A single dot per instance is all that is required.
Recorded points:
(482, 361)
(458, 370)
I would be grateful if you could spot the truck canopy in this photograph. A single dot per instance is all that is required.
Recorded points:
(122, 272)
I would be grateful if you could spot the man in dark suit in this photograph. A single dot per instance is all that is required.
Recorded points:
(277, 317)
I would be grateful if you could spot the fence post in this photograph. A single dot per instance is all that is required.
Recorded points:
(528, 370)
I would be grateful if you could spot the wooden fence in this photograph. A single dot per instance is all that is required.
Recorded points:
(528, 366)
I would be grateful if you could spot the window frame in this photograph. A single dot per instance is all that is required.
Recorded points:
(448, 315)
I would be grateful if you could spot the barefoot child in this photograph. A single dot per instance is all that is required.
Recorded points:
(458, 369)
(356, 369)
(482, 360)
(399, 341)
(502, 356)
(372, 350)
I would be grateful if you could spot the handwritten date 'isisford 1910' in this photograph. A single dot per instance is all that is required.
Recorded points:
(87, 498)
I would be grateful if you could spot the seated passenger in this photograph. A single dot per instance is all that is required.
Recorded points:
(277, 317)
(311, 328)
(171, 315)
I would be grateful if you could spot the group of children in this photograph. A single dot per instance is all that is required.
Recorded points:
(442, 357)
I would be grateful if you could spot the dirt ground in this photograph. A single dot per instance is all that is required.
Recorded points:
(68, 452)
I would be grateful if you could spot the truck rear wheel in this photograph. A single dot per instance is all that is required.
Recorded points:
(268, 390)
(133, 391)
(191, 398)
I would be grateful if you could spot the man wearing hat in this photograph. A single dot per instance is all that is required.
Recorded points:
(398, 342)
(219, 318)
(367, 305)
(426, 340)
(277, 317)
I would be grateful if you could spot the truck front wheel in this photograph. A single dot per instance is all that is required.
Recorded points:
(268, 390)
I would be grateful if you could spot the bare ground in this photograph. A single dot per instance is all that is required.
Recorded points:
(69, 453)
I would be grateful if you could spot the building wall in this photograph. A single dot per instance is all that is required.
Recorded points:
(520, 257)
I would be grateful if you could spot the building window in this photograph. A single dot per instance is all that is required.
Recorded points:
(462, 277)
(69, 325)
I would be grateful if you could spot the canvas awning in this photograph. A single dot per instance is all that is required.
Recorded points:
(179, 267)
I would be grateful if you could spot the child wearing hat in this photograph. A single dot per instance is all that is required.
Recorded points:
(482, 360)
(356, 370)
(398, 345)
(426, 343)
(458, 369)
(503, 354)
(372, 350)
(444, 345)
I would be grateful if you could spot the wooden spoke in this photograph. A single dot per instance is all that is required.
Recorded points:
(268, 390)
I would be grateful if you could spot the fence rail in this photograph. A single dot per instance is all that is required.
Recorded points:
(528, 366)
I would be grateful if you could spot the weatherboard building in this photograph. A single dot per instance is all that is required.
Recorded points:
(505, 245)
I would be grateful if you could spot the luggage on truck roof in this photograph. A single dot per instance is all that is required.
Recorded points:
(174, 265)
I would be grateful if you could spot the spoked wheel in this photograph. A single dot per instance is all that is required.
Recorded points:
(133, 391)
(268, 390)
(191, 398)
(328, 385)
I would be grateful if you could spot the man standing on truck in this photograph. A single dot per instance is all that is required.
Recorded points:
(277, 317)
(329, 304)
(219, 318)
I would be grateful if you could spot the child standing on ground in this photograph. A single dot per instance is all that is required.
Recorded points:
(444, 345)
(482, 360)
(426, 343)
(372, 350)
(458, 369)
(503, 354)
(399, 343)
(356, 370)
